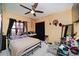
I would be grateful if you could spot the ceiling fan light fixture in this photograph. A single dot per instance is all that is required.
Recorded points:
(32, 12)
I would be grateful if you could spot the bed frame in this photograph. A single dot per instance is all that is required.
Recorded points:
(25, 51)
(32, 50)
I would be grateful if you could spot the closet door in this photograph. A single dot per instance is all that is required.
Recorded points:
(40, 31)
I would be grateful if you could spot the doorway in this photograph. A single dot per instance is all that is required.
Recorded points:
(40, 30)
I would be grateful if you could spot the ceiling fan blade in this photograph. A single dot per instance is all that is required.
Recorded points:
(25, 7)
(34, 14)
(27, 12)
(34, 6)
(39, 11)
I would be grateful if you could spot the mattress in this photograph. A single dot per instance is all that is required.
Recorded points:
(18, 46)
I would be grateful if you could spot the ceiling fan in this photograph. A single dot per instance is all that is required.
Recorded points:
(33, 10)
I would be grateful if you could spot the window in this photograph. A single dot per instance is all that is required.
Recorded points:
(17, 28)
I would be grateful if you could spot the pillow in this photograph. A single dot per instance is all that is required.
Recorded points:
(14, 37)
(29, 32)
(18, 36)
(23, 35)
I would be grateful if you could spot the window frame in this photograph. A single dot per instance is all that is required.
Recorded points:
(17, 28)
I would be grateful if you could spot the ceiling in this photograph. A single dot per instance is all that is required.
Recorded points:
(48, 8)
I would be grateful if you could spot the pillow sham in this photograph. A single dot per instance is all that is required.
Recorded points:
(17, 37)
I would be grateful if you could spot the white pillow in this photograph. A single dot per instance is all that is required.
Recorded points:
(14, 37)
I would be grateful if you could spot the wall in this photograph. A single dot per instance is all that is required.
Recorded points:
(0, 26)
(76, 29)
(75, 12)
(75, 17)
(54, 33)
(0, 7)
(31, 25)
(7, 14)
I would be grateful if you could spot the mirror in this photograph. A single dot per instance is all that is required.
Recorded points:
(67, 30)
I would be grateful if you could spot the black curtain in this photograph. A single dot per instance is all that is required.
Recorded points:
(11, 22)
(26, 27)
(72, 30)
(66, 28)
(23, 26)
(62, 31)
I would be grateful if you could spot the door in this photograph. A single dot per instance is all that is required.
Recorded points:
(40, 30)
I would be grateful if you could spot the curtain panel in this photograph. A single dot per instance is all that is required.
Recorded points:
(11, 22)
(25, 26)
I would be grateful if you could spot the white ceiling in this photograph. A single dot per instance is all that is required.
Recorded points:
(46, 7)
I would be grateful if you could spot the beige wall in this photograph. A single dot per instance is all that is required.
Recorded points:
(75, 12)
(31, 25)
(75, 17)
(76, 29)
(54, 33)
(7, 14)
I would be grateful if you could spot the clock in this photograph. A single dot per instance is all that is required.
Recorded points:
(55, 22)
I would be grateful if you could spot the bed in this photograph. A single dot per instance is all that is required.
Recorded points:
(24, 45)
